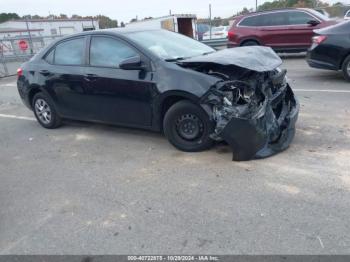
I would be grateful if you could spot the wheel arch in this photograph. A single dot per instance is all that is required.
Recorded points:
(346, 55)
(172, 97)
(253, 39)
(34, 89)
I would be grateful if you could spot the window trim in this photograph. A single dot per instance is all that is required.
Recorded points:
(273, 12)
(114, 38)
(145, 59)
(53, 48)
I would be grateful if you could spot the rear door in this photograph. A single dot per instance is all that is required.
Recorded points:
(300, 31)
(63, 77)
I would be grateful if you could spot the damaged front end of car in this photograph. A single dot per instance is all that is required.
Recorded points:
(253, 106)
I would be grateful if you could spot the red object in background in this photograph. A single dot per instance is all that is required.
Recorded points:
(19, 72)
(284, 29)
(319, 39)
(23, 45)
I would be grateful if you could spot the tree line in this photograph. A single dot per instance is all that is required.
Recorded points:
(104, 21)
(277, 4)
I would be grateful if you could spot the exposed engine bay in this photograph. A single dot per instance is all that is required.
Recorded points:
(255, 111)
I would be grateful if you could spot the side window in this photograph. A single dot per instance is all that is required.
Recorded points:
(50, 56)
(250, 21)
(275, 19)
(299, 18)
(109, 52)
(70, 52)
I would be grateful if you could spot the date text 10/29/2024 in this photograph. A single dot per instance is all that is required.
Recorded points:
(173, 258)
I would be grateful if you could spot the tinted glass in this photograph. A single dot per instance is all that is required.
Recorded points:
(109, 52)
(274, 19)
(299, 18)
(70, 52)
(49, 57)
(251, 21)
(169, 45)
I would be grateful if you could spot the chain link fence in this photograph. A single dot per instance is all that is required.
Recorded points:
(16, 50)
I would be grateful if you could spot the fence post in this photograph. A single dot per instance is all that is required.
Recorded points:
(210, 20)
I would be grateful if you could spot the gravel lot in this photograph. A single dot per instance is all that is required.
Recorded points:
(94, 189)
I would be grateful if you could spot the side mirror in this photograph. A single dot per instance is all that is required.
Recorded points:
(132, 63)
(313, 22)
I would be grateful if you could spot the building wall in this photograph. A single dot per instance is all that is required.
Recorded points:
(53, 27)
(16, 34)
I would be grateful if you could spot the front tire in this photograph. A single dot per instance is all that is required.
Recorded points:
(45, 111)
(346, 68)
(188, 127)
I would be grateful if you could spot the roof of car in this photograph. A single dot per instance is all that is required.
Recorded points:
(275, 10)
(115, 31)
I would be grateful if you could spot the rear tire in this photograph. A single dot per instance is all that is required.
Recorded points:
(250, 43)
(346, 68)
(45, 111)
(188, 127)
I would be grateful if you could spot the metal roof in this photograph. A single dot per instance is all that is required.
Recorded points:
(53, 20)
(18, 30)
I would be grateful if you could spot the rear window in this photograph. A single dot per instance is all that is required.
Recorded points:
(270, 19)
(70, 52)
(250, 21)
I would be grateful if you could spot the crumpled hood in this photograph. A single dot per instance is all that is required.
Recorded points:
(255, 58)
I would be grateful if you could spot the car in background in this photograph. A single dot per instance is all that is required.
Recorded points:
(331, 49)
(323, 11)
(219, 32)
(347, 15)
(283, 29)
(201, 30)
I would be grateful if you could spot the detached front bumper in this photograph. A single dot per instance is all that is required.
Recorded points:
(267, 134)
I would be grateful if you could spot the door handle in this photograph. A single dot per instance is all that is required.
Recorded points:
(44, 72)
(91, 77)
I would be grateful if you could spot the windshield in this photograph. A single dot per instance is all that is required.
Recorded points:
(168, 45)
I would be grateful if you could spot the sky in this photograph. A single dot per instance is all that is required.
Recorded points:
(125, 10)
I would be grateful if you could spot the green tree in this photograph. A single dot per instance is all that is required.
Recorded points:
(8, 16)
(106, 22)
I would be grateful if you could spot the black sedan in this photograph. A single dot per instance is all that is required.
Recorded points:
(163, 81)
(331, 49)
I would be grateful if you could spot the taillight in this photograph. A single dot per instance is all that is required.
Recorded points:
(19, 72)
(230, 34)
(319, 39)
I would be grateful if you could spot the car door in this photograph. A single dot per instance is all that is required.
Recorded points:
(116, 95)
(273, 28)
(63, 75)
(300, 31)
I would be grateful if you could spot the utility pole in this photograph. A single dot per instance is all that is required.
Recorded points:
(30, 37)
(210, 19)
(256, 5)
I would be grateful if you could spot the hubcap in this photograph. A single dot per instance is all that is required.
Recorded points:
(189, 127)
(43, 111)
(348, 68)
